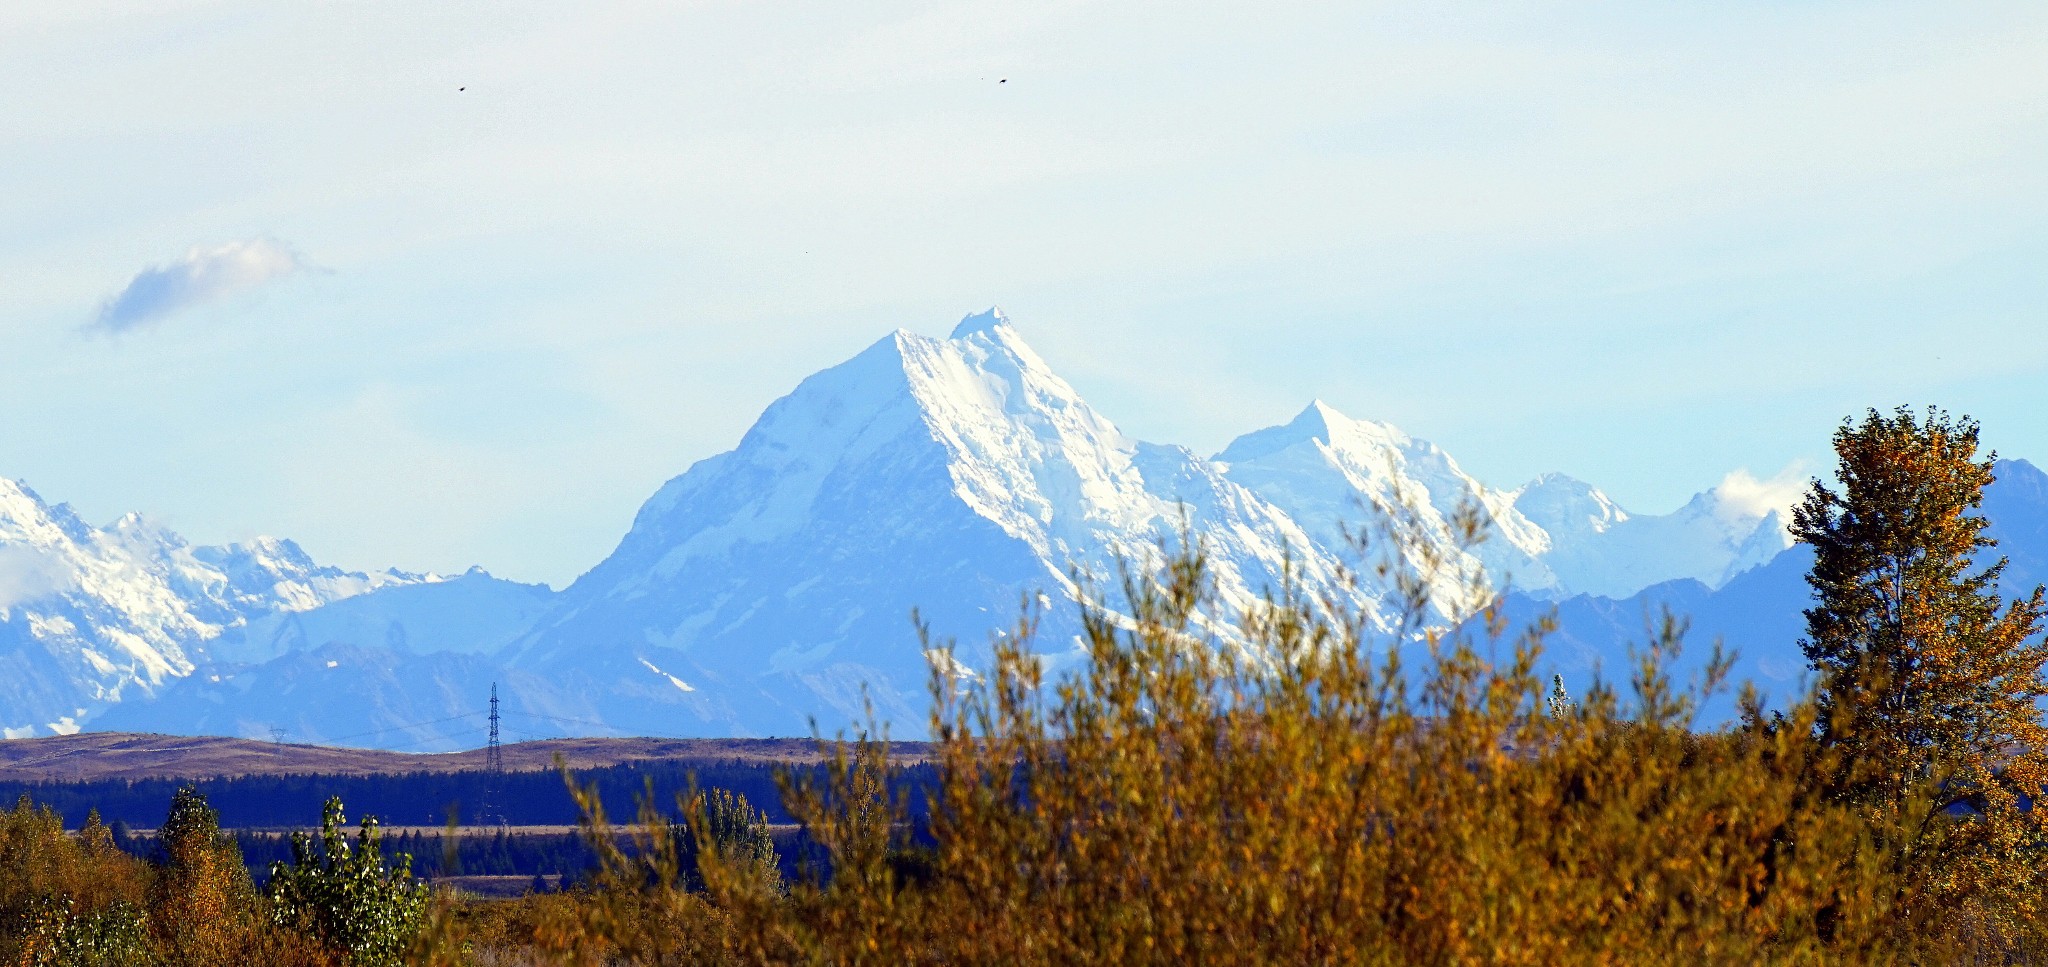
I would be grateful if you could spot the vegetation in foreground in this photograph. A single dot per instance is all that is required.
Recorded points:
(79, 900)
(1270, 794)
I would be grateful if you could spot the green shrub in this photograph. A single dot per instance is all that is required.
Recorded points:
(346, 896)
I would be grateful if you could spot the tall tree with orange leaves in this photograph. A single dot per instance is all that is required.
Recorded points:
(1929, 681)
(201, 904)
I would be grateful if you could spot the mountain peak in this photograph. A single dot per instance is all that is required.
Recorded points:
(1556, 482)
(19, 503)
(1565, 505)
(987, 320)
(1317, 418)
(1319, 422)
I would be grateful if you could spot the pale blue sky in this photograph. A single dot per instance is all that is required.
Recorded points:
(265, 269)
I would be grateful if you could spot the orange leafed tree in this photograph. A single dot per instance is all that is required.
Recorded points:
(202, 902)
(1930, 682)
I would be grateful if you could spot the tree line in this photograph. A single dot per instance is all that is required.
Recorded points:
(530, 798)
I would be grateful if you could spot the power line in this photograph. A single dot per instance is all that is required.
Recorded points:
(401, 728)
(437, 737)
(558, 718)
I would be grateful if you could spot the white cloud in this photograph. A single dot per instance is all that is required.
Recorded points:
(200, 277)
(27, 573)
(1743, 495)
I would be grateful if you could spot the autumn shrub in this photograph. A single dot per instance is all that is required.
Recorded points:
(75, 900)
(723, 830)
(519, 930)
(643, 904)
(68, 899)
(1294, 788)
(55, 932)
(1281, 798)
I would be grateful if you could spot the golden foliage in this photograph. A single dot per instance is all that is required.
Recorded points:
(76, 900)
(52, 884)
(1278, 796)
(1931, 683)
(1284, 799)
(202, 904)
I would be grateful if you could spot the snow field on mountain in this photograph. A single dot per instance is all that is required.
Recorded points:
(772, 585)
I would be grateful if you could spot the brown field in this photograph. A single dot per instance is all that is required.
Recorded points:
(492, 886)
(123, 755)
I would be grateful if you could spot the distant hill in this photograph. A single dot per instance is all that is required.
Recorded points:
(96, 756)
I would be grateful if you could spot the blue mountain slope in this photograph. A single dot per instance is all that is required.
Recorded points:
(1760, 614)
(2017, 507)
(473, 613)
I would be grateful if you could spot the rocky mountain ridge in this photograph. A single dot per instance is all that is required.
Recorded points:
(772, 585)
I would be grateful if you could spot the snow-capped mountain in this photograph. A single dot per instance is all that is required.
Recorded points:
(93, 616)
(774, 584)
(1552, 538)
(1369, 488)
(1598, 548)
(953, 476)
(468, 614)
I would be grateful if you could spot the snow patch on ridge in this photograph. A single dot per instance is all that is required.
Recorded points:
(677, 682)
(1342, 478)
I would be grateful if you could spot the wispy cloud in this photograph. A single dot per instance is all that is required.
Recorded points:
(27, 574)
(1745, 495)
(203, 275)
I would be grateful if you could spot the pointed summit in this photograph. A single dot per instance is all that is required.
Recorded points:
(985, 321)
(951, 476)
(1334, 474)
(1315, 420)
(1319, 422)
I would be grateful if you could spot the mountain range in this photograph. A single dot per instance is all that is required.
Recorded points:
(769, 589)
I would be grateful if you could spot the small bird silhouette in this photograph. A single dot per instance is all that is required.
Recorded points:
(462, 88)
(1004, 81)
